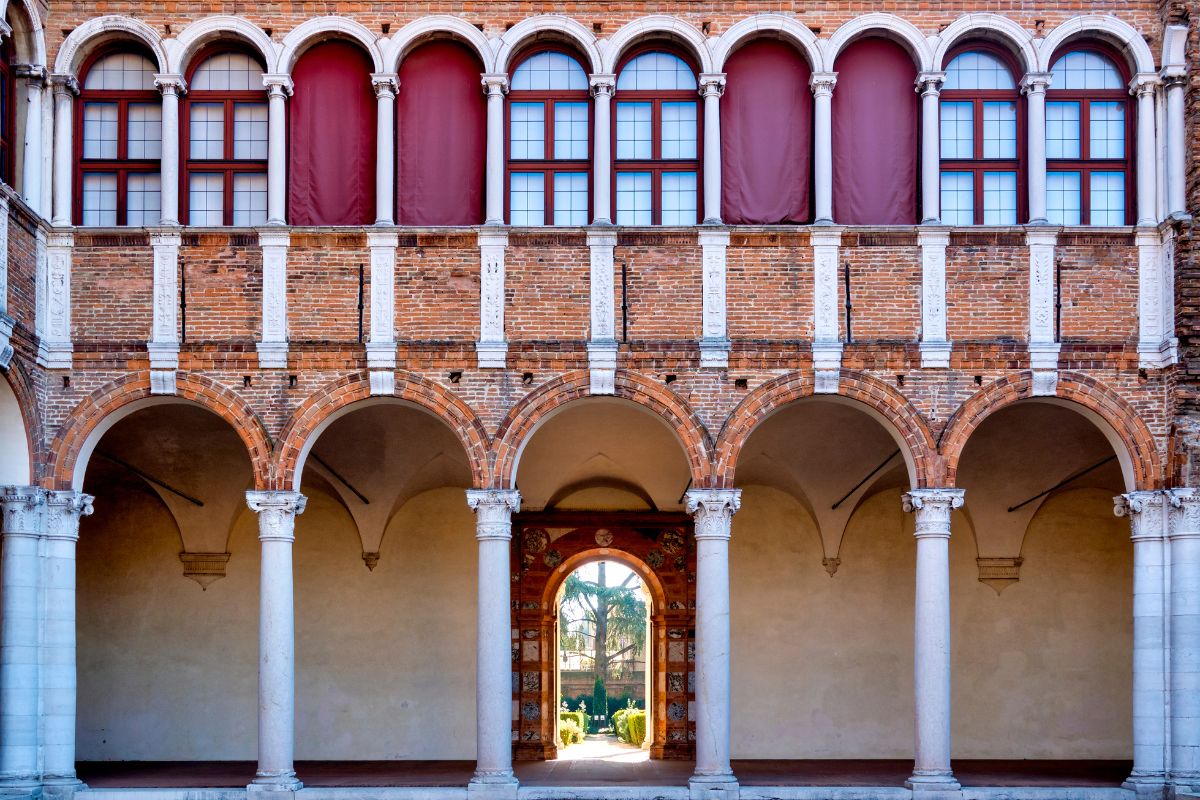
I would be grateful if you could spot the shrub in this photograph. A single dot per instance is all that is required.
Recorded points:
(621, 725)
(635, 722)
(569, 732)
(578, 717)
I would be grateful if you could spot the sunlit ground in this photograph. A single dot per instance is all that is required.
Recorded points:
(602, 748)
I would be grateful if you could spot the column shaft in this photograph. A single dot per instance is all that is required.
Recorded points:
(1176, 178)
(1146, 151)
(602, 90)
(822, 84)
(65, 89)
(280, 87)
(495, 86)
(929, 85)
(386, 86)
(23, 509)
(1184, 537)
(171, 86)
(1034, 86)
(712, 86)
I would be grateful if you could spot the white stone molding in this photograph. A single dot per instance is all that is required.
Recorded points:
(495, 86)
(35, 79)
(1143, 87)
(423, 28)
(383, 382)
(657, 25)
(1043, 347)
(765, 25)
(164, 330)
(386, 86)
(65, 90)
(602, 347)
(54, 283)
(713, 510)
(6, 348)
(491, 348)
(493, 776)
(986, 25)
(889, 26)
(172, 88)
(279, 88)
(277, 512)
(1103, 26)
(1174, 78)
(931, 647)
(1183, 534)
(31, 17)
(204, 568)
(545, 26)
(189, 41)
(929, 87)
(712, 86)
(827, 343)
(602, 87)
(1034, 86)
(1156, 313)
(381, 349)
(822, 84)
(935, 347)
(999, 572)
(319, 29)
(273, 347)
(714, 336)
(99, 30)
(1145, 510)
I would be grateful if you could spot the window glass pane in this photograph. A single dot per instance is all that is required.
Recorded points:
(999, 130)
(633, 198)
(249, 198)
(121, 71)
(250, 131)
(206, 130)
(546, 71)
(1062, 198)
(143, 198)
(99, 130)
(1107, 134)
(206, 199)
(1085, 70)
(145, 131)
(570, 198)
(679, 130)
(999, 198)
(661, 71)
(958, 130)
(571, 130)
(978, 70)
(100, 198)
(1107, 198)
(528, 135)
(527, 198)
(679, 198)
(634, 131)
(1062, 130)
(234, 72)
(958, 198)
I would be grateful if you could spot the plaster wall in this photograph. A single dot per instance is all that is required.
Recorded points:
(14, 444)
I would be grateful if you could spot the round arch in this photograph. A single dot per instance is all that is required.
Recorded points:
(29, 33)
(423, 29)
(18, 421)
(866, 393)
(316, 30)
(638, 567)
(889, 26)
(340, 397)
(1120, 423)
(759, 26)
(548, 26)
(536, 408)
(657, 25)
(101, 30)
(994, 27)
(97, 413)
(183, 48)
(1104, 27)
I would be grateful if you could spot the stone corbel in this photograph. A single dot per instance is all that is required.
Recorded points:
(999, 573)
(204, 568)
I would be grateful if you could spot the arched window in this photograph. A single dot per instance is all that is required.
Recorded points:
(225, 141)
(119, 142)
(980, 141)
(657, 141)
(7, 112)
(549, 147)
(1089, 141)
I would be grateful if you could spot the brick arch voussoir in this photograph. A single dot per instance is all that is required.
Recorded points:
(524, 417)
(860, 387)
(112, 397)
(350, 389)
(1077, 388)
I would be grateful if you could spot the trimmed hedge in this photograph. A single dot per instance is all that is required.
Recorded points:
(630, 725)
(569, 731)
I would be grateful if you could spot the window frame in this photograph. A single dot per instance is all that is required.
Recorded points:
(547, 165)
(978, 165)
(227, 166)
(656, 165)
(8, 117)
(122, 166)
(1084, 165)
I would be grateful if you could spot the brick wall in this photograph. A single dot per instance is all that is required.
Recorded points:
(223, 288)
(112, 288)
(987, 292)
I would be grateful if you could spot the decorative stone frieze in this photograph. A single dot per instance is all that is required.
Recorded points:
(714, 341)
(827, 344)
(381, 349)
(491, 349)
(273, 348)
(1043, 342)
(935, 349)
(54, 299)
(602, 347)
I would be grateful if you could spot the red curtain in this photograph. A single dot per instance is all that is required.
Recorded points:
(331, 167)
(875, 126)
(442, 137)
(766, 135)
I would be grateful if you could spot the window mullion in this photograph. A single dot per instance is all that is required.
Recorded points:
(548, 129)
(548, 196)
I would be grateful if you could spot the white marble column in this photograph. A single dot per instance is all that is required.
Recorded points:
(386, 86)
(280, 89)
(1145, 512)
(172, 87)
(495, 86)
(1034, 85)
(712, 86)
(34, 76)
(929, 86)
(1175, 81)
(713, 510)
(277, 512)
(65, 90)
(1183, 534)
(63, 512)
(24, 510)
(931, 645)
(602, 90)
(494, 659)
(1143, 86)
(822, 84)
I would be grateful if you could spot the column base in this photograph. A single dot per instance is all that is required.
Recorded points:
(934, 785)
(493, 786)
(1147, 787)
(61, 787)
(714, 787)
(287, 782)
(20, 787)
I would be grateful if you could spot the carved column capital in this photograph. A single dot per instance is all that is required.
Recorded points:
(1173, 77)
(713, 510)
(35, 74)
(1036, 82)
(24, 510)
(1183, 521)
(494, 84)
(712, 84)
(64, 85)
(493, 511)
(1144, 83)
(932, 508)
(822, 83)
(1144, 510)
(930, 83)
(63, 511)
(170, 84)
(385, 84)
(602, 84)
(278, 85)
(277, 512)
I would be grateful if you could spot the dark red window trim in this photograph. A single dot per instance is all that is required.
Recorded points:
(7, 113)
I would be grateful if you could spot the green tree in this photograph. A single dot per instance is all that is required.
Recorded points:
(603, 622)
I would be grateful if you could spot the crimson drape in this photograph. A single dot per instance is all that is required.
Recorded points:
(442, 137)
(766, 127)
(875, 127)
(331, 167)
